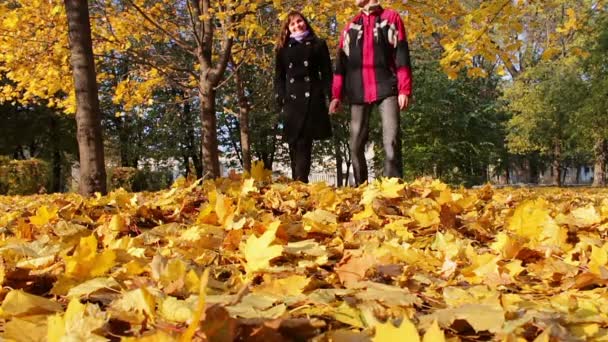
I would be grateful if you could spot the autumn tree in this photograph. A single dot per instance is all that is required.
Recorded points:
(88, 116)
(594, 107)
(544, 100)
(36, 63)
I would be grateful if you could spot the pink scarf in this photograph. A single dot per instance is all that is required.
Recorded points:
(299, 36)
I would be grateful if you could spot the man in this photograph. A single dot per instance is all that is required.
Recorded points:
(373, 68)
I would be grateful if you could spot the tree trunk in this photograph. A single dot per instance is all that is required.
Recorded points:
(186, 162)
(55, 155)
(56, 185)
(557, 163)
(209, 142)
(599, 169)
(243, 122)
(209, 78)
(88, 115)
(346, 181)
(190, 142)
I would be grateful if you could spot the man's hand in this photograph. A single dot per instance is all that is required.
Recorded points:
(404, 101)
(334, 105)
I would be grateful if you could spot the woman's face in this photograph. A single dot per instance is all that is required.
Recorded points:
(297, 24)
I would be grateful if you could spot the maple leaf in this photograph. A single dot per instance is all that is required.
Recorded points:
(434, 334)
(289, 286)
(353, 266)
(78, 323)
(387, 332)
(91, 286)
(425, 212)
(259, 172)
(199, 312)
(86, 262)
(258, 252)
(20, 303)
(43, 216)
(134, 306)
(320, 221)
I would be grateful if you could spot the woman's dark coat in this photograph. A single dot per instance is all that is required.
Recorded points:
(303, 83)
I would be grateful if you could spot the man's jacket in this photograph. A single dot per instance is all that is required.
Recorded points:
(373, 58)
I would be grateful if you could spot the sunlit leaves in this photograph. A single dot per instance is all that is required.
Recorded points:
(258, 252)
(429, 261)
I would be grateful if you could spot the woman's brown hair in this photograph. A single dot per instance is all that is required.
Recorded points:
(284, 32)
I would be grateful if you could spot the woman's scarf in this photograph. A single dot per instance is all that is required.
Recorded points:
(299, 36)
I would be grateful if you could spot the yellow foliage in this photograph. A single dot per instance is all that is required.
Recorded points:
(86, 262)
(258, 252)
(301, 258)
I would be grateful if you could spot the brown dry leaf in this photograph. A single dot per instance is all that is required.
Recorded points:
(353, 266)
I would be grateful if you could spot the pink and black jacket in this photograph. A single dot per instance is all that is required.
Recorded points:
(373, 58)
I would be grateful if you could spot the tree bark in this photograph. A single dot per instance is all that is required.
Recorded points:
(88, 114)
(599, 169)
(211, 162)
(210, 76)
(243, 121)
(557, 162)
(190, 142)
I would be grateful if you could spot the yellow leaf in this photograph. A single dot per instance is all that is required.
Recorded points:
(56, 328)
(43, 216)
(258, 252)
(532, 220)
(134, 267)
(387, 332)
(86, 263)
(259, 173)
(174, 274)
(426, 213)
(348, 315)
(200, 309)
(248, 187)
(284, 287)
(91, 286)
(434, 334)
(192, 281)
(27, 328)
(78, 323)
(135, 306)
(599, 258)
(320, 221)
(20, 303)
(391, 188)
(176, 310)
(585, 217)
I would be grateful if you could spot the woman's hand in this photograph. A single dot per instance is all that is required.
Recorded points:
(334, 106)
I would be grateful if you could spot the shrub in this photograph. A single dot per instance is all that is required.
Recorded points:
(23, 177)
(147, 180)
(122, 177)
(132, 179)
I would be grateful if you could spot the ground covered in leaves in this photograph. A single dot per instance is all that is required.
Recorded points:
(249, 259)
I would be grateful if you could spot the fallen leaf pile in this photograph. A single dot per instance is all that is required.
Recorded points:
(244, 258)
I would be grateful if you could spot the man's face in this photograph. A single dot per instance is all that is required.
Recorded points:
(361, 3)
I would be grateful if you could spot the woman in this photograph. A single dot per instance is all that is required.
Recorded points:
(302, 84)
